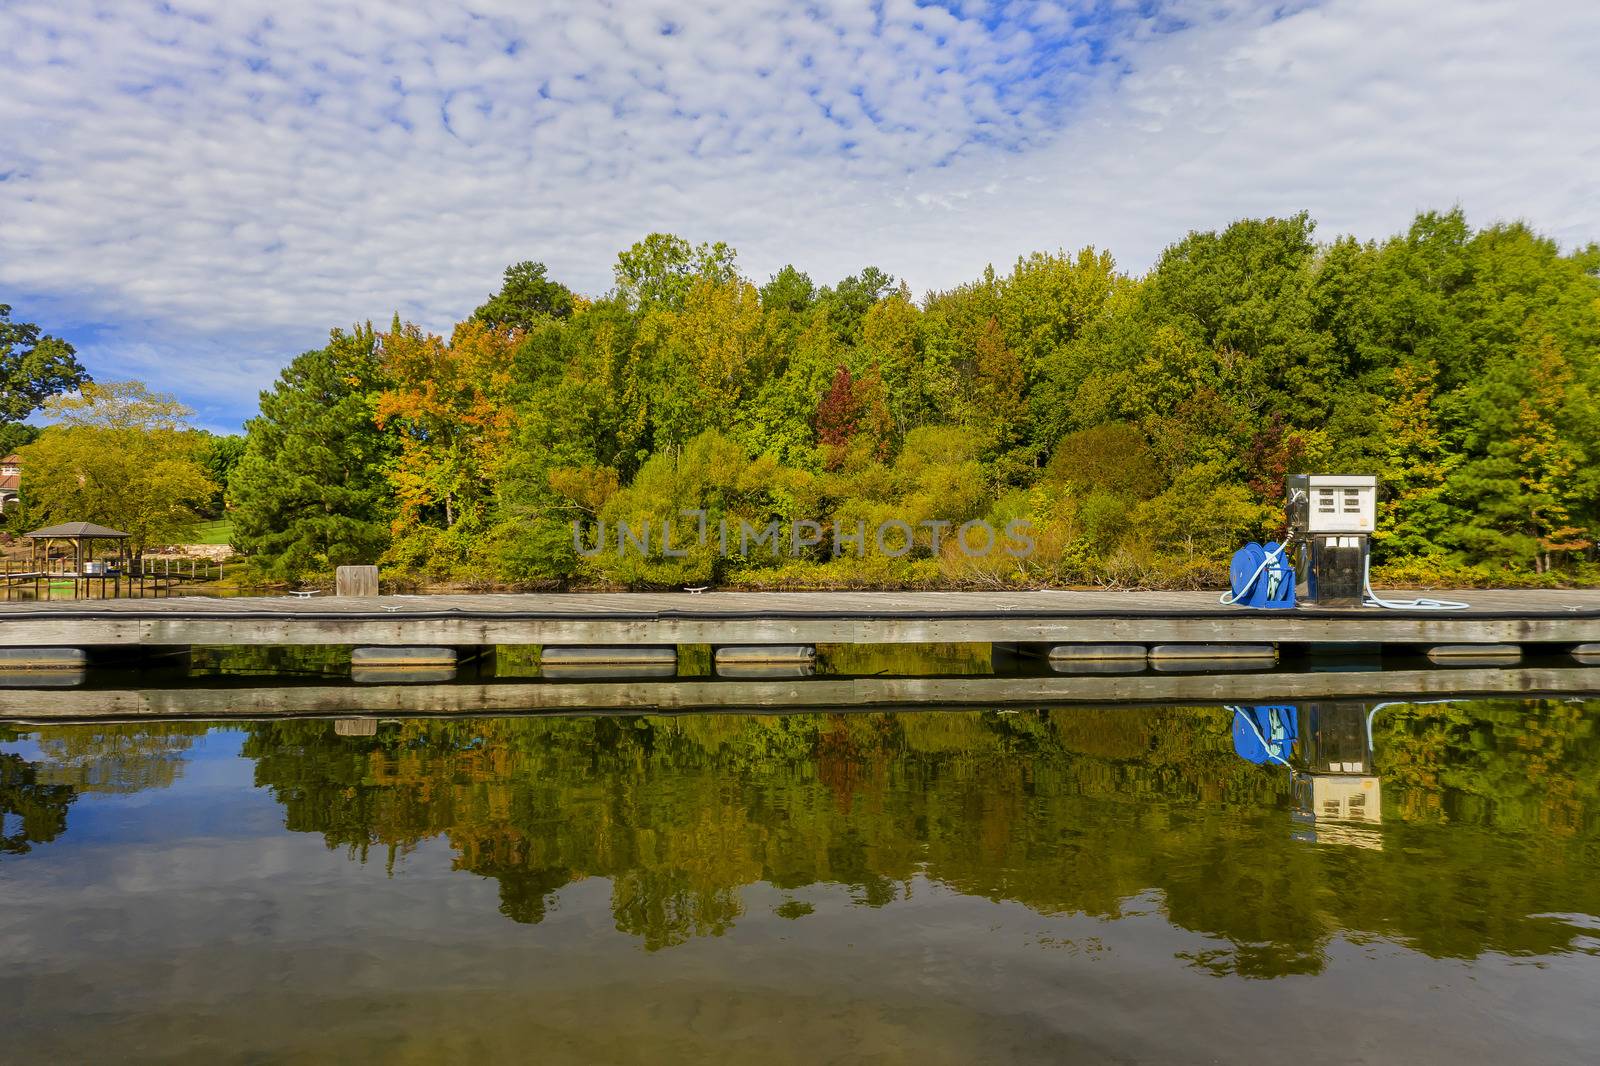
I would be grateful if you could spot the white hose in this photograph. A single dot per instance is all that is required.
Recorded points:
(1372, 599)
(1372, 714)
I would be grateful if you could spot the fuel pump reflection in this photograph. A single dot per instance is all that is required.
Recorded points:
(1338, 798)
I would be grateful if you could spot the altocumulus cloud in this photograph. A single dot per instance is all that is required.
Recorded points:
(197, 190)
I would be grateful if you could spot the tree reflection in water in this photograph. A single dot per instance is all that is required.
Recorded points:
(1487, 823)
(1489, 810)
(35, 794)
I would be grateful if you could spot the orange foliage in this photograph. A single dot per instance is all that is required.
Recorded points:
(451, 406)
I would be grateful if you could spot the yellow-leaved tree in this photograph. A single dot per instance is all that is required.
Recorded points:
(118, 455)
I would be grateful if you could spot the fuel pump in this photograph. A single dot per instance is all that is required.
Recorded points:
(1331, 518)
(1326, 557)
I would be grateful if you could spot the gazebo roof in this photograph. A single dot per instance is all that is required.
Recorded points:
(76, 530)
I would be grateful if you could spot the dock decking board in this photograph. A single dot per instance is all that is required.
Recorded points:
(797, 695)
(1517, 617)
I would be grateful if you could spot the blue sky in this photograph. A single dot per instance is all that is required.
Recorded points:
(195, 191)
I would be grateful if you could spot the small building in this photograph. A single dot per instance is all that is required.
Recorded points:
(10, 480)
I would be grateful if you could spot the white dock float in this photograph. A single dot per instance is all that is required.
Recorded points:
(1208, 657)
(766, 669)
(607, 671)
(1475, 654)
(1098, 652)
(12, 659)
(606, 655)
(1229, 652)
(766, 653)
(403, 656)
(607, 662)
(1099, 666)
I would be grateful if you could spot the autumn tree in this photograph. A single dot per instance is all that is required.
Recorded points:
(854, 409)
(118, 455)
(839, 411)
(448, 406)
(708, 358)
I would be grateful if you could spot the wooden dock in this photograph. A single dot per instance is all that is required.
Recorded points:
(232, 702)
(1550, 618)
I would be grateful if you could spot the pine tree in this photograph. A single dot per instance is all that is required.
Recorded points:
(309, 493)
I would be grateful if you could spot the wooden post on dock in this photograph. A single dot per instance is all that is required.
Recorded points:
(356, 581)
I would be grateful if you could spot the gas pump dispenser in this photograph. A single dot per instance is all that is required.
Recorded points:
(1326, 556)
(1331, 518)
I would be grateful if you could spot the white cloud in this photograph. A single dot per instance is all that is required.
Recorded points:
(222, 183)
(1362, 112)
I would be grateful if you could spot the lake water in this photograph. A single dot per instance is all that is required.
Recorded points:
(1056, 885)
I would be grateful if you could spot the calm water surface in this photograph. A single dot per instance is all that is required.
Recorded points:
(1065, 885)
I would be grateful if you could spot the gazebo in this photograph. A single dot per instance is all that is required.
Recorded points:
(82, 535)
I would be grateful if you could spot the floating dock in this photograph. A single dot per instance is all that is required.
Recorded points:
(620, 652)
(1524, 617)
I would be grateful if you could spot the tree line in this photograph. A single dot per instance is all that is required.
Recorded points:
(1139, 426)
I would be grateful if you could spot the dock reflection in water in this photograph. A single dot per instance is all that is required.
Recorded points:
(920, 886)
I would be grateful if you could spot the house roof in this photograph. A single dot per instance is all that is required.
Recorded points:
(77, 529)
(11, 460)
(10, 482)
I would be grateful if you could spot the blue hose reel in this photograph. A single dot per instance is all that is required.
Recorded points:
(1261, 577)
(1263, 734)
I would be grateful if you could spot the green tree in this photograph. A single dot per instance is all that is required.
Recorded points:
(1530, 480)
(309, 492)
(1415, 513)
(526, 296)
(34, 366)
(220, 455)
(659, 270)
(848, 302)
(14, 435)
(1244, 294)
(789, 290)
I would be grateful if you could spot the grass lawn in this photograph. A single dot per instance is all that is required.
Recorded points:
(217, 531)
